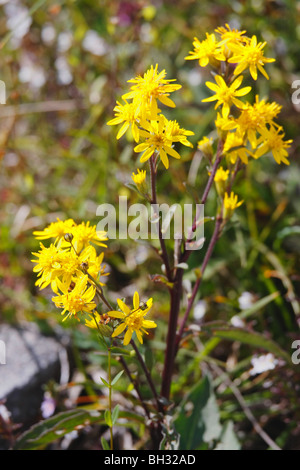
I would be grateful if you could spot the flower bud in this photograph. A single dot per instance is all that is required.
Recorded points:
(140, 181)
(84, 266)
(205, 145)
(220, 179)
(68, 237)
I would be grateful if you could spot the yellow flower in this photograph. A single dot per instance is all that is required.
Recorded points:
(266, 111)
(220, 179)
(230, 204)
(128, 114)
(140, 181)
(132, 320)
(48, 265)
(148, 88)
(140, 177)
(231, 36)
(65, 265)
(77, 300)
(157, 139)
(84, 234)
(226, 95)
(99, 322)
(206, 51)
(253, 118)
(177, 133)
(224, 124)
(70, 265)
(92, 264)
(235, 147)
(205, 145)
(221, 175)
(55, 230)
(249, 55)
(272, 140)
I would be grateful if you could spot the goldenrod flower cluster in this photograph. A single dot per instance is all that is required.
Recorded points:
(73, 269)
(145, 118)
(248, 130)
(69, 264)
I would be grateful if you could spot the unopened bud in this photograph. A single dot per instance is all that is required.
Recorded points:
(84, 266)
(205, 145)
(68, 237)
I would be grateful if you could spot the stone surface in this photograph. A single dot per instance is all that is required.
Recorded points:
(28, 361)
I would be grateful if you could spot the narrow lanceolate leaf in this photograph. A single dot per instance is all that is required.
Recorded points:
(104, 382)
(49, 430)
(120, 351)
(104, 444)
(253, 339)
(107, 418)
(116, 378)
(258, 305)
(115, 414)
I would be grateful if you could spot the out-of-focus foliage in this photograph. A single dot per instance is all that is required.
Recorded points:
(64, 64)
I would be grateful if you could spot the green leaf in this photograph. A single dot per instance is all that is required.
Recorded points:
(119, 351)
(134, 188)
(49, 430)
(258, 305)
(104, 382)
(287, 231)
(102, 341)
(107, 418)
(115, 414)
(252, 338)
(105, 444)
(115, 380)
(198, 419)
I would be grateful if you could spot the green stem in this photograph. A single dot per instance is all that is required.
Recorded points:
(110, 398)
(100, 292)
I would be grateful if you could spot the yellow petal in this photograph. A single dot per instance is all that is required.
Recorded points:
(119, 330)
(139, 336)
(136, 300)
(123, 307)
(116, 314)
(127, 337)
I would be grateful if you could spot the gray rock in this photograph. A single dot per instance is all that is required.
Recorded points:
(28, 360)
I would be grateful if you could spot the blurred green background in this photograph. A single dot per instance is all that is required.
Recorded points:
(64, 64)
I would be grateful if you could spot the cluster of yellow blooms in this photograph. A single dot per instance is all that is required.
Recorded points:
(247, 130)
(145, 118)
(73, 269)
(71, 265)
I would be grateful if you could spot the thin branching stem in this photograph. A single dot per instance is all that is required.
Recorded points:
(164, 253)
